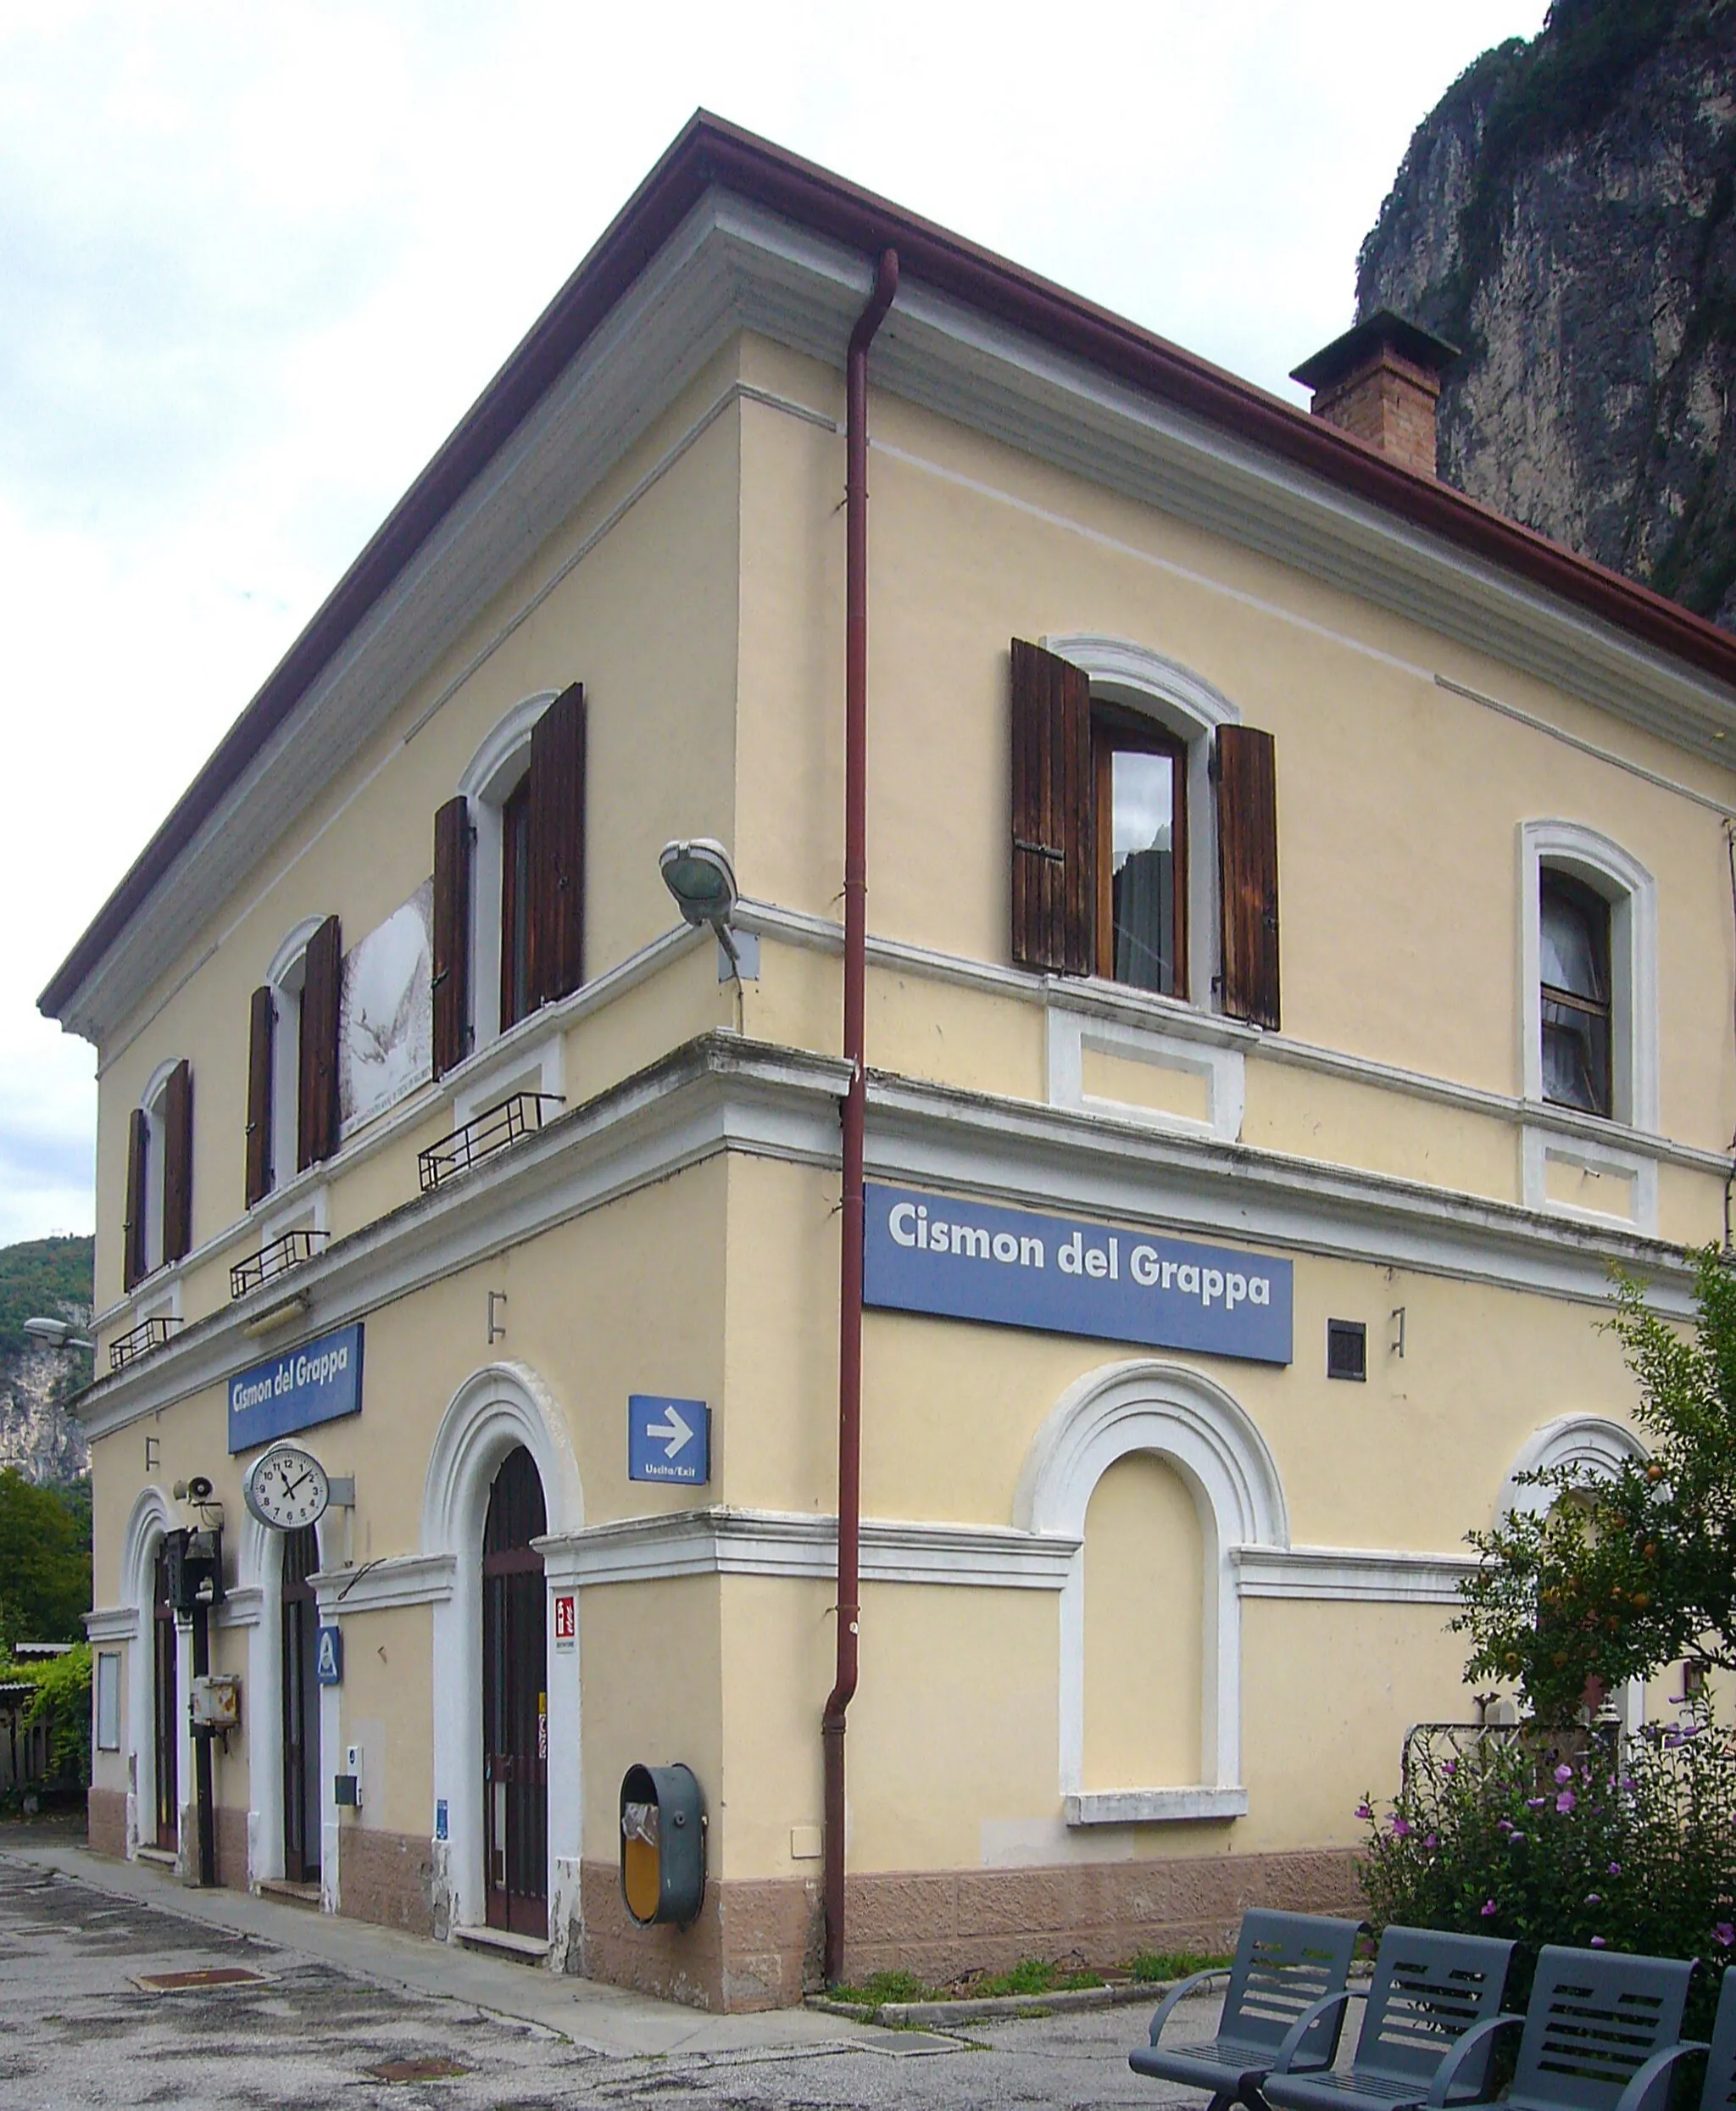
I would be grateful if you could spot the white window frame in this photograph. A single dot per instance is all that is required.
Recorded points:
(1586, 855)
(1182, 703)
(495, 772)
(286, 977)
(153, 1103)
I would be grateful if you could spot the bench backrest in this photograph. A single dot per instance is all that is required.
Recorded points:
(1283, 1963)
(1428, 1988)
(1596, 2016)
(1719, 2092)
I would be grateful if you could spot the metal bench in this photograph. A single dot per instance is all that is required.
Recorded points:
(1427, 1991)
(1601, 2033)
(1718, 2091)
(1286, 1966)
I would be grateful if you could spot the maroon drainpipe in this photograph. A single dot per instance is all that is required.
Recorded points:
(849, 1326)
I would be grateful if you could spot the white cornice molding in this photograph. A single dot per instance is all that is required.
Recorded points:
(721, 1094)
(112, 1623)
(1153, 1807)
(1366, 1574)
(395, 1579)
(732, 266)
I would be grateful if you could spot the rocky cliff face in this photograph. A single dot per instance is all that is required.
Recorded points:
(1565, 214)
(39, 1437)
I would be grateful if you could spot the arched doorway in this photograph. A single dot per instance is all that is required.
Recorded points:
(515, 1701)
(165, 1707)
(300, 1645)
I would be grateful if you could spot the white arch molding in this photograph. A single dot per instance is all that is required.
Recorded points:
(1188, 1420)
(259, 1563)
(1592, 1444)
(149, 1518)
(496, 1409)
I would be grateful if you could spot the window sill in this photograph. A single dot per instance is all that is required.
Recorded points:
(1148, 1066)
(1152, 1806)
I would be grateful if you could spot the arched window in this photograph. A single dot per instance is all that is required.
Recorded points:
(158, 1227)
(293, 1102)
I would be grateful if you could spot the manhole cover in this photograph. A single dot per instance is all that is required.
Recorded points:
(416, 2070)
(190, 1982)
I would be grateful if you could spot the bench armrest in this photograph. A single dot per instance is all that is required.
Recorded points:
(1473, 2041)
(1283, 2060)
(1191, 1984)
(1641, 2081)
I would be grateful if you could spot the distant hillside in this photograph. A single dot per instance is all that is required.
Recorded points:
(38, 1435)
(1566, 214)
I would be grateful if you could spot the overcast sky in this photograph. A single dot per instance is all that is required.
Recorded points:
(256, 261)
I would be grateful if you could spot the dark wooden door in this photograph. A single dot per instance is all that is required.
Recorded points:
(165, 1695)
(515, 1701)
(301, 1708)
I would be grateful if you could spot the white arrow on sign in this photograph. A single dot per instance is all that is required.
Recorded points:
(678, 1429)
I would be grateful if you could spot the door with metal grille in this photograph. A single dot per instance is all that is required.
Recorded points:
(301, 1708)
(515, 1701)
(165, 1709)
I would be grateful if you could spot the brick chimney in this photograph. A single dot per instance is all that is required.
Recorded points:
(1381, 381)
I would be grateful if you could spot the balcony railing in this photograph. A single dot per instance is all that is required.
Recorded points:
(148, 1334)
(492, 1130)
(275, 1257)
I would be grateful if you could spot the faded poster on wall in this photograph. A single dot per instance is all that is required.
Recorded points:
(384, 1025)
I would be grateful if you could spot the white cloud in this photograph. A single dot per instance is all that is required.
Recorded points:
(258, 262)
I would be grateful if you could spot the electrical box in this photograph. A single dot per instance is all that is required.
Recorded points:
(347, 1792)
(195, 1565)
(662, 1845)
(216, 1701)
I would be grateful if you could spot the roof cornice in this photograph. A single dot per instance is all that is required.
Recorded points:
(710, 154)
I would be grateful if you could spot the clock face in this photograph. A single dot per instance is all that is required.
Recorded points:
(287, 1487)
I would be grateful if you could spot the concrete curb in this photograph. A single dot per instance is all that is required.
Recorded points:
(929, 2014)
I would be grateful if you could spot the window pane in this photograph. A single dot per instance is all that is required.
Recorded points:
(1575, 944)
(1142, 869)
(1576, 1057)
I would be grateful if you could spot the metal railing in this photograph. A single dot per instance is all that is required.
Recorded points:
(490, 1131)
(275, 1258)
(1429, 1746)
(148, 1334)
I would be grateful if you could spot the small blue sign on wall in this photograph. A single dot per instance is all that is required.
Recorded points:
(962, 1260)
(320, 1382)
(328, 1656)
(668, 1439)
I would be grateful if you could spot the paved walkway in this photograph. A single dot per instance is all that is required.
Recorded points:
(334, 1999)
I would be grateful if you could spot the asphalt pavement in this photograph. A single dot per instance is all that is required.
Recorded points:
(119, 1989)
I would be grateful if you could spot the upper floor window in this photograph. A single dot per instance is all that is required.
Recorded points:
(508, 877)
(1144, 827)
(292, 1097)
(157, 1228)
(1589, 952)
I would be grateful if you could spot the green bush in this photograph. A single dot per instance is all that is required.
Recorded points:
(63, 1702)
(1554, 1840)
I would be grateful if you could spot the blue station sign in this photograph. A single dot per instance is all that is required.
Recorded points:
(328, 1656)
(320, 1382)
(668, 1439)
(962, 1260)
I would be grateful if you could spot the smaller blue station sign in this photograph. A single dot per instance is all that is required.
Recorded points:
(668, 1439)
(320, 1382)
(328, 1656)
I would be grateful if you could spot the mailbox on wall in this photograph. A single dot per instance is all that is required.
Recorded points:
(662, 1845)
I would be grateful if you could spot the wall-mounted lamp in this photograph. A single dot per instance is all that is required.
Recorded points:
(702, 882)
(57, 1333)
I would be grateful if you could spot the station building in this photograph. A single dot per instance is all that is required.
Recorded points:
(1299, 968)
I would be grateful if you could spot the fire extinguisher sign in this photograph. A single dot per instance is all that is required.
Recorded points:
(566, 1625)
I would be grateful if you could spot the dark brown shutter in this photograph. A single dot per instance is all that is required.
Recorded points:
(178, 1162)
(261, 1024)
(1053, 852)
(557, 849)
(316, 1127)
(452, 935)
(1246, 764)
(133, 1231)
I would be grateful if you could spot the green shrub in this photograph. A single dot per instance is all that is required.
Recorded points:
(1547, 1840)
(63, 1702)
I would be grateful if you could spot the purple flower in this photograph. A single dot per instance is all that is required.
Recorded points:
(1594, 1898)
(1563, 1776)
(1430, 1841)
(1515, 1840)
(1363, 1811)
(1614, 1869)
(1504, 1825)
(1565, 1801)
(1535, 1803)
(1597, 1942)
(1489, 1907)
(1401, 1827)
(1724, 1934)
(1450, 1766)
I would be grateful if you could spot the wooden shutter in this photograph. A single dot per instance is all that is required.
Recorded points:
(316, 1127)
(1054, 846)
(133, 1231)
(262, 1033)
(452, 836)
(1246, 766)
(557, 849)
(178, 1162)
